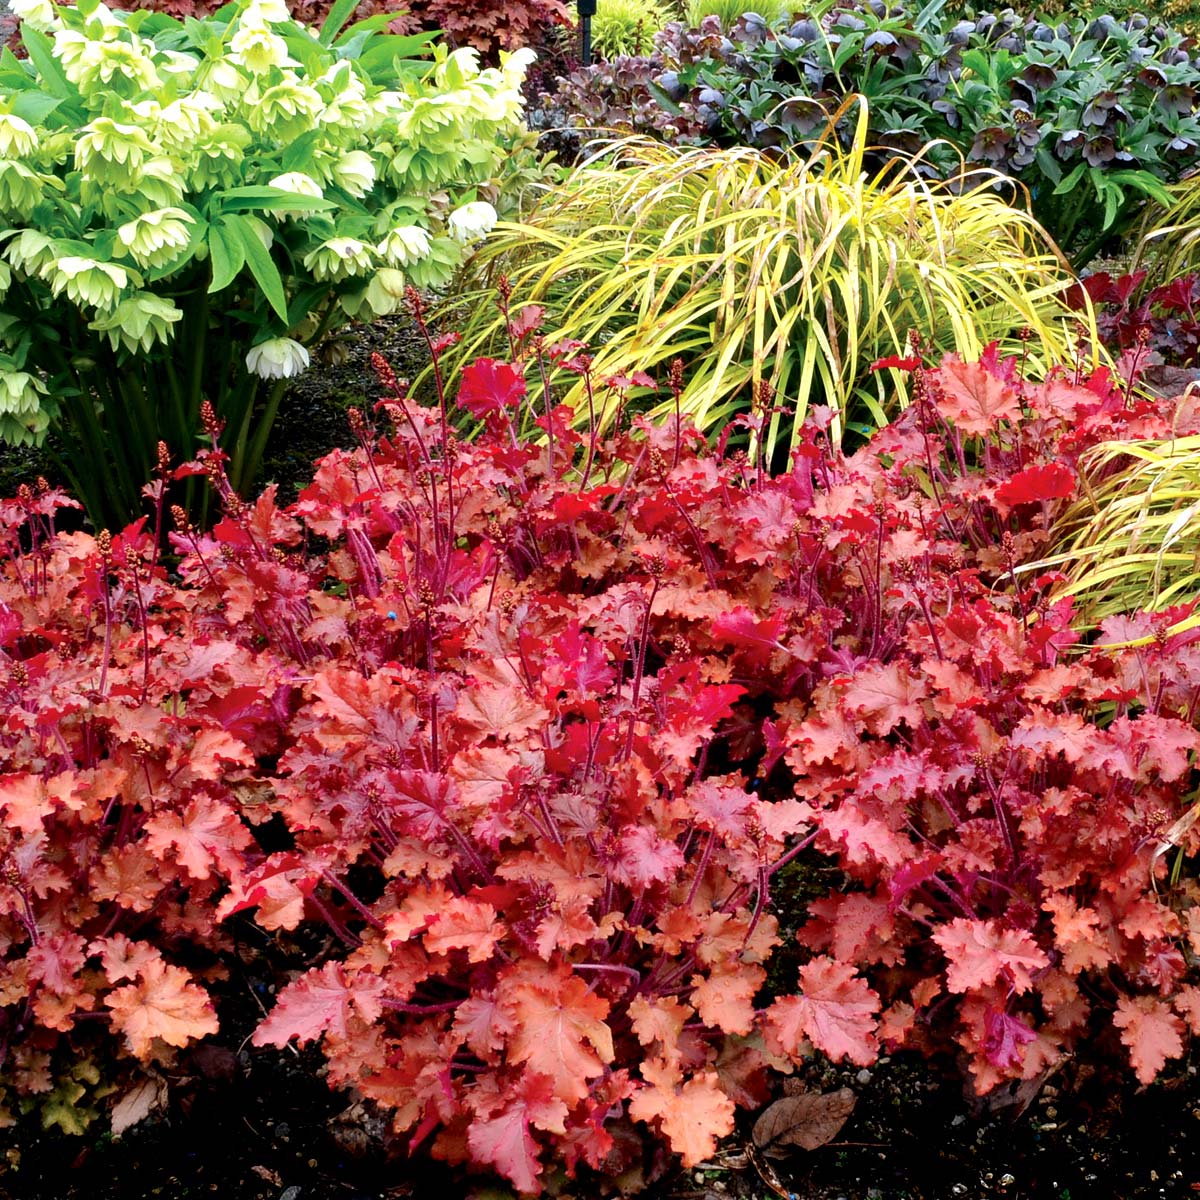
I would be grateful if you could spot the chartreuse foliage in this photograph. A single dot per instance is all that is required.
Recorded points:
(1169, 246)
(1132, 539)
(626, 27)
(728, 11)
(785, 279)
(186, 207)
(542, 718)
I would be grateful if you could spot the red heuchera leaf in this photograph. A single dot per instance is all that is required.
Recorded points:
(1152, 1033)
(836, 1011)
(163, 1004)
(981, 952)
(1047, 481)
(758, 638)
(320, 1002)
(1006, 1040)
(560, 1033)
(503, 1138)
(895, 361)
(489, 386)
(973, 399)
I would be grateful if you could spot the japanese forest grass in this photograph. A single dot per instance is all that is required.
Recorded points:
(787, 278)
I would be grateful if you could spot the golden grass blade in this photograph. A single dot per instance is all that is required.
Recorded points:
(795, 275)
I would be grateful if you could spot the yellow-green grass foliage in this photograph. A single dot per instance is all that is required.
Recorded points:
(1169, 245)
(626, 27)
(794, 274)
(729, 11)
(1132, 540)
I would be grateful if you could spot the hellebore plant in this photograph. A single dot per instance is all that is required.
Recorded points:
(187, 207)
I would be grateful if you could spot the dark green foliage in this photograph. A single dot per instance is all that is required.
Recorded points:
(1090, 116)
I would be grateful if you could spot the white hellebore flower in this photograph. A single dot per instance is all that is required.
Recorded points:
(30, 251)
(354, 172)
(280, 358)
(37, 14)
(405, 244)
(338, 258)
(298, 182)
(155, 238)
(471, 221)
(138, 322)
(87, 281)
(17, 138)
(257, 49)
(269, 12)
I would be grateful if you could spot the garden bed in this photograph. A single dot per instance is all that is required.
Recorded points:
(255, 1126)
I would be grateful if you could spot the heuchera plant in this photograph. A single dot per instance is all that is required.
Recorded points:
(186, 207)
(550, 722)
(1156, 327)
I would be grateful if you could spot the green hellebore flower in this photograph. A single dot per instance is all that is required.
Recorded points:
(279, 358)
(20, 188)
(23, 419)
(338, 258)
(110, 151)
(354, 172)
(37, 14)
(257, 49)
(156, 238)
(385, 292)
(471, 221)
(17, 137)
(30, 251)
(297, 182)
(114, 66)
(138, 322)
(88, 282)
(20, 392)
(285, 110)
(404, 245)
(222, 79)
(218, 158)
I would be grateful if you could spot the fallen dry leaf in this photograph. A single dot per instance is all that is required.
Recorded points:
(810, 1120)
(139, 1102)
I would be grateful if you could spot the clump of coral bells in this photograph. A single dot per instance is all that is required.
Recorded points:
(544, 720)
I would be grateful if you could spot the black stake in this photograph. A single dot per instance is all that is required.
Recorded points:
(587, 10)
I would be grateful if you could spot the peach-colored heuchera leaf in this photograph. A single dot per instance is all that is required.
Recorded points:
(561, 1034)
(163, 1004)
(692, 1116)
(1151, 1031)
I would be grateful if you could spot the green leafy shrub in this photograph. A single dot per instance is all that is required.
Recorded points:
(1089, 116)
(186, 208)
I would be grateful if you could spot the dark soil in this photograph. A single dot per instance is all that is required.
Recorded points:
(260, 1125)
